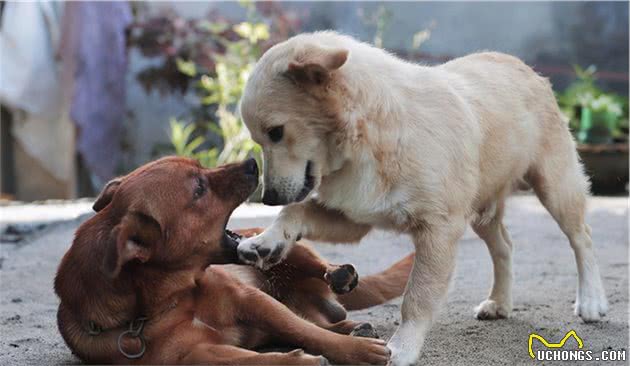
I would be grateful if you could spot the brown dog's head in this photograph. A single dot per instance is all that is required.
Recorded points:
(172, 213)
(155, 229)
(291, 107)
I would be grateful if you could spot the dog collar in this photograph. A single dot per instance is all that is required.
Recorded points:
(134, 329)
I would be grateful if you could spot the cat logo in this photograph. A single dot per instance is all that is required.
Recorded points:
(560, 344)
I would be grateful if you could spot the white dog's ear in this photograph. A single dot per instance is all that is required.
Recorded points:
(315, 65)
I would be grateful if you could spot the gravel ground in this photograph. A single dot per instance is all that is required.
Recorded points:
(545, 279)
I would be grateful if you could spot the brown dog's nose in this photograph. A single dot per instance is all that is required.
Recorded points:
(251, 167)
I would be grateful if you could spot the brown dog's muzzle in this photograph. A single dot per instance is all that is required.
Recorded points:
(234, 183)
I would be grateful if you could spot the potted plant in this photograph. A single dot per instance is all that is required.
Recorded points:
(599, 122)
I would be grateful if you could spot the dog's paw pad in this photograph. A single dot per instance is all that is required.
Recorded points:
(365, 330)
(342, 279)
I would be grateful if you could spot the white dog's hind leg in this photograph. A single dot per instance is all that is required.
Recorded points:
(590, 302)
(561, 186)
(436, 249)
(499, 302)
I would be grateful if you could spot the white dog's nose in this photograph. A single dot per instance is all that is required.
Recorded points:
(271, 197)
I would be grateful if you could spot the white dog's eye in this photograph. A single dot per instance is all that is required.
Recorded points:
(275, 134)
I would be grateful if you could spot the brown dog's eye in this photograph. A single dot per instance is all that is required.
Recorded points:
(200, 188)
(275, 134)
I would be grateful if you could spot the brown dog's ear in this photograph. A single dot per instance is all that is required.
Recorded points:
(106, 195)
(316, 64)
(132, 240)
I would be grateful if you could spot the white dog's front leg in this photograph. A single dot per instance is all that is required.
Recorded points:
(436, 249)
(307, 219)
(272, 245)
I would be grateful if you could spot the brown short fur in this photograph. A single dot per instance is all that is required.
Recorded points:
(154, 249)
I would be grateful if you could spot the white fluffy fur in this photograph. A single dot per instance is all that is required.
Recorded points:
(421, 150)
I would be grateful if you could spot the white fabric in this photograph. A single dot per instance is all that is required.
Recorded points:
(30, 84)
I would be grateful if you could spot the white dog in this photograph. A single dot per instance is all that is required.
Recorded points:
(355, 138)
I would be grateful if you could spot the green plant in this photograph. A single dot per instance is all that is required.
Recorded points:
(212, 57)
(220, 89)
(185, 145)
(223, 90)
(592, 111)
(380, 19)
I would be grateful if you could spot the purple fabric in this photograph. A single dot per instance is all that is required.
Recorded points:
(94, 54)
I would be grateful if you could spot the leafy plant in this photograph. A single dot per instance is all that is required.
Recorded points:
(176, 44)
(591, 110)
(212, 57)
(380, 19)
(185, 145)
(223, 89)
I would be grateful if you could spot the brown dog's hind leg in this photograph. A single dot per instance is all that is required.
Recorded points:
(307, 263)
(229, 355)
(341, 278)
(289, 328)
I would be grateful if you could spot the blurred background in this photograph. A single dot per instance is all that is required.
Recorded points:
(91, 90)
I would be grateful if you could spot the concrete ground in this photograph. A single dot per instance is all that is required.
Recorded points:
(544, 288)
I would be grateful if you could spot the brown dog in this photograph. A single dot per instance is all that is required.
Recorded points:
(141, 284)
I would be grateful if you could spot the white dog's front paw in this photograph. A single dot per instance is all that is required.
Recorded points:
(399, 357)
(591, 305)
(405, 344)
(263, 251)
(491, 310)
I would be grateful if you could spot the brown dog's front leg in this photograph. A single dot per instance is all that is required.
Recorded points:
(307, 263)
(303, 262)
(204, 354)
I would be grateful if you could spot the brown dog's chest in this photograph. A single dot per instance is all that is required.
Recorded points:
(190, 323)
(209, 313)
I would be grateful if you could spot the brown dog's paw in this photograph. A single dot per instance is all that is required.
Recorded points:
(365, 330)
(359, 351)
(342, 279)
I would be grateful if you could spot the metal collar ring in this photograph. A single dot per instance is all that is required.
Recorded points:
(134, 331)
(131, 356)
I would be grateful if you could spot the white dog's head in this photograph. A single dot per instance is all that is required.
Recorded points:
(291, 110)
